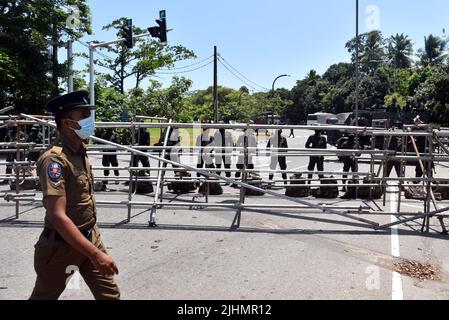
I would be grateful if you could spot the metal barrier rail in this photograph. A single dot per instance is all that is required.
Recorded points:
(209, 175)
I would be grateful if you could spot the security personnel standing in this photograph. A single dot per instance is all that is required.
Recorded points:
(395, 145)
(349, 162)
(278, 141)
(143, 138)
(223, 150)
(205, 144)
(71, 239)
(110, 156)
(246, 141)
(316, 141)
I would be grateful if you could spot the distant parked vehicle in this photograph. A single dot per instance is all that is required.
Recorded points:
(342, 117)
(319, 118)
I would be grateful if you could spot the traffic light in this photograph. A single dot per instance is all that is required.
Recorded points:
(160, 31)
(128, 34)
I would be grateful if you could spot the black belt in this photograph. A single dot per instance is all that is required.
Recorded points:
(47, 232)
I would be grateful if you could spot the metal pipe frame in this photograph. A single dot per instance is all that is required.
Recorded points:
(353, 213)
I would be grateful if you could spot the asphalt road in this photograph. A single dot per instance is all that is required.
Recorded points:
(276, 254)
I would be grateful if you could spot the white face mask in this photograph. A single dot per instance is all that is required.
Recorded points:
(87, 128)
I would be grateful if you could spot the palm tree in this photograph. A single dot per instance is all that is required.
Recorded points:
(373, 53)
(312, 78)
(400, 50)
(433, 51)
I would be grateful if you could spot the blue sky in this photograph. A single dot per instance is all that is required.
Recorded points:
(265, 38)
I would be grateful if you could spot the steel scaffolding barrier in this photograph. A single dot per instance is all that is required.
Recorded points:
(373, 157)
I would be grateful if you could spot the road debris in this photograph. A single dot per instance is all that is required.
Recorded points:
(418, 270)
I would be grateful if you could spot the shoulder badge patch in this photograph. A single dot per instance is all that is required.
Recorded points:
(54, 171)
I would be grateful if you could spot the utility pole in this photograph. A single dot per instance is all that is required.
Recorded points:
(70, 66)
(215, 85)
(357, 74)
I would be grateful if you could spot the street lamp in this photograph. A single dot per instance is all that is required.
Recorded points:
(281, 76)
(272, 93)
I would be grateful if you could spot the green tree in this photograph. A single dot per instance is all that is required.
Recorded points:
(31, 33)
(371, 51)
(434, 95)
(400, 50)
(434, 51)
(141, 62)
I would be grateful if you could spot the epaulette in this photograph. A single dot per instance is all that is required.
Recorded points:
(56, 150)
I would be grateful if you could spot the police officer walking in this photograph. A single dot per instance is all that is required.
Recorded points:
(316, 141)
(71, 239)
(278, 141)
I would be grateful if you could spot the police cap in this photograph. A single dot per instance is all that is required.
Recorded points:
(69, 101)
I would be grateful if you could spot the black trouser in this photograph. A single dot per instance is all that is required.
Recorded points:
(110, 160)
(226, 159)
(349, 164)
(209, 164)
(240, 166)
(282, 164)
(418, 171)
(174, 158)
(144, 160)
(393, 164)
(10, 158)
(319, 162)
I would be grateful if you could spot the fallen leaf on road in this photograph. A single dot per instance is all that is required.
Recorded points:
(417, 270)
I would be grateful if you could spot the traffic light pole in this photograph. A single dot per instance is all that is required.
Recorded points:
(92, 47)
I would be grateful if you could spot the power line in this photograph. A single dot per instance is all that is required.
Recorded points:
(186, 71)
(188, 66)
(164, 71)
(105, 56)
(224, 60)
(171, 71)
(243, 81)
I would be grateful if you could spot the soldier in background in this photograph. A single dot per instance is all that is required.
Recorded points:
(223, 142)
(205, 157)
(349, 162)
(248, 139)
(395, 145)
(316, 141)
(110, 156)
(143, 139)
(34, 137)
(174, 147)
(275, 142)
(393, 113)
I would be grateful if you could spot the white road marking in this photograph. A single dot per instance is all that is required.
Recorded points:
(396, 290)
